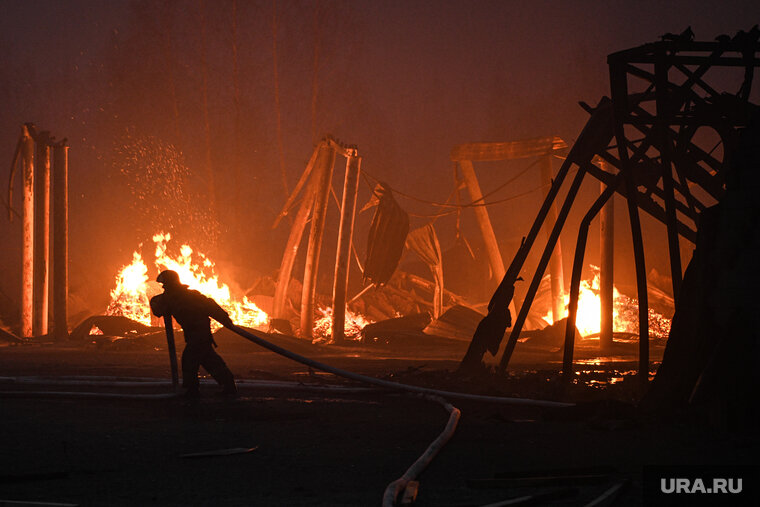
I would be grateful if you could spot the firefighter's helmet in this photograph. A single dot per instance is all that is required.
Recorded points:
(168, 277)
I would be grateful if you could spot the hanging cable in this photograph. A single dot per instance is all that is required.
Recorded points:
(469, 205)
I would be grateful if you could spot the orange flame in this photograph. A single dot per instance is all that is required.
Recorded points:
(130, 297)
(355, 322)
(624, 312)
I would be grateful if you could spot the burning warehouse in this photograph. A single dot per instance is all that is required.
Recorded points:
(573, 286)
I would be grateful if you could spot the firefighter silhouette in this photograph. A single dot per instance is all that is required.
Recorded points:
(192, 311)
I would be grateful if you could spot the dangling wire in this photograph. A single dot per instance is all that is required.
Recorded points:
(457, 211)
(457, 186)
(479, 202)
(9, 205)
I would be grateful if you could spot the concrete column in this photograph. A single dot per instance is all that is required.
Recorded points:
(27, 263)
(42, 235)
(61, 240)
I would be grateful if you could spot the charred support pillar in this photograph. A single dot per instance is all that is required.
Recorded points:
(345, 235)
(484, 221)
(61, 240)
(575, 281)
(606, 269)
(555, 264)
(294, 239)
(324, 173)
(42, 235)
(619, 88)
(27, 267)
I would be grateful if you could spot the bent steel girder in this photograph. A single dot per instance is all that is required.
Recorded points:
(666, 173)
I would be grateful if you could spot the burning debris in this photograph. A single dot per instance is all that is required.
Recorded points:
(133, 289)
(130, 297)
(355, 323)
(624, 314)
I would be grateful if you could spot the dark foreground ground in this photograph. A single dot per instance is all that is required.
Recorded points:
(320, 449)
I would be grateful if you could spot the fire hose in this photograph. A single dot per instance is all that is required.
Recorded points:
(397, 386)
(395, 488)
(399, 486)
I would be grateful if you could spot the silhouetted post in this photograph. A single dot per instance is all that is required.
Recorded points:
(484, 221)
(61, 240)
(662, 101)
(326, 161)
(170, 345)
(345, 234)
(42, 234)
(575, 278)
(27, 269)
(555, 264)
(606, 269)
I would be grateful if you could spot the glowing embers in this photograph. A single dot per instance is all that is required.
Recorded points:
(323, 325)
(602, 376)
(130, 298)
(625, 312)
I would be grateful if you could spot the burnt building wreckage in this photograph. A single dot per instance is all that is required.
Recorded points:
(640, 143)
(644, 142)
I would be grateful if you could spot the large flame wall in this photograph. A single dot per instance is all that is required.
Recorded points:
(131, 295)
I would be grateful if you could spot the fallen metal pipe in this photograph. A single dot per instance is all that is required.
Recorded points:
(74, 394)
(397, 487)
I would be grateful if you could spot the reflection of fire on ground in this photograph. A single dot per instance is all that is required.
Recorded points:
(625, 316)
